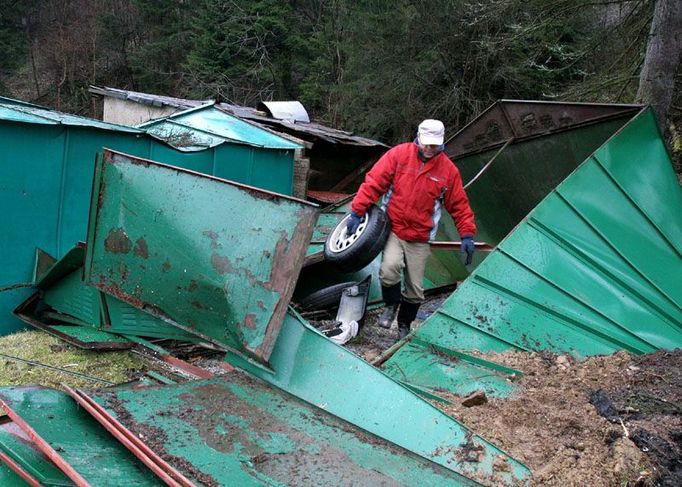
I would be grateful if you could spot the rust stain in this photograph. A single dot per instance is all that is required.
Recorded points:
(166, 266)
(197, 305)
(120, 294)
(192, 286)
(261, 304)
(141, 249)
(117, 242)
(266, 254)
(221, 264)
(250, 321)
(288, 259)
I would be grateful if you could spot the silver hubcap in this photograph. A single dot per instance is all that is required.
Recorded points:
(340, 240)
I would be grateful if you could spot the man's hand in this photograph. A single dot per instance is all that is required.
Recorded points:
(468, 247)
(353, 222)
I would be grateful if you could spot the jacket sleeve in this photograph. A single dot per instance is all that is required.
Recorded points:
(377, 181)
(457, 204)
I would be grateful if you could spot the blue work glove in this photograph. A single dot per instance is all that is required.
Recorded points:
(353, 222)
(468, 247)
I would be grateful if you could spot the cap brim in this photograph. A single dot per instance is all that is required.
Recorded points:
(426, 140)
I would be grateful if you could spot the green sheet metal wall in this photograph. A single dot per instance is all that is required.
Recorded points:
(523, 174)
(46, 171)
(593, 269)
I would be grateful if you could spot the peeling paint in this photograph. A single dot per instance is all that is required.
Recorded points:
(222, 264)
(117, 242)
(141, 249)
(250, 321)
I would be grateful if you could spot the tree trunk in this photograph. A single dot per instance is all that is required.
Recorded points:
(657, 78)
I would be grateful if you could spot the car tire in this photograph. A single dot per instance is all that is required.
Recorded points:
(325, 298)
(350, 253)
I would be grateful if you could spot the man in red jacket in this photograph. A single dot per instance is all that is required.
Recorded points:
(418, 181)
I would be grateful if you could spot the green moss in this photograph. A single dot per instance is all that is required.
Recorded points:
(46, 349)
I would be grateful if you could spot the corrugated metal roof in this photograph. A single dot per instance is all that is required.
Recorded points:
(304, 130)
(147, 98)
(301, 129)
(17, 111)
(206, 126)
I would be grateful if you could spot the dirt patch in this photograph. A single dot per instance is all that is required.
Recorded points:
(606, 421)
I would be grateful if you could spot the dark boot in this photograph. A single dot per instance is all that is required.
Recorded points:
(391, 295)
(407, 314)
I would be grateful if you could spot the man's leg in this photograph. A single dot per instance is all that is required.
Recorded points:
(392, 264)
(416, 254)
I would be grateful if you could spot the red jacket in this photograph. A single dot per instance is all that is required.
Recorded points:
(414, 193)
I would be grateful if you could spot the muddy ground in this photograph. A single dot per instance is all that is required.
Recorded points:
(605, 421)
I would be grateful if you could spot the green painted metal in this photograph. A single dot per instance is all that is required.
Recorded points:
(521, 176)
(43, 263)
(9, 478)
(45, 199)
(74, 437)
(18, 446)
(71, 296)
(215, 258)
(311, 367)
(18, 111)
(80, 304)
(434, 369)
(123, 319)
(593, 269)
(207, 126)
(237, 430)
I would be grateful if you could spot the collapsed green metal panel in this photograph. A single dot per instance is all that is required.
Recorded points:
(18, 446)
(72, 297)
(74, 436)
(93, 309)
(46, 179)
(127, 320)
(522, 175)
(434, 369)
(313, 368)
(594, 269)
(9, 478)
(237, 430)
(213, 257)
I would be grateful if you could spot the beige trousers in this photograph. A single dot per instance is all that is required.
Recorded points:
(410, 256)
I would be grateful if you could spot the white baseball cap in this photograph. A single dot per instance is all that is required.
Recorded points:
(431, 132)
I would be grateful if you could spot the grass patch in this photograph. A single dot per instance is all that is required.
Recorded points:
(37, 346)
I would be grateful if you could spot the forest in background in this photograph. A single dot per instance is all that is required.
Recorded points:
(369, 66)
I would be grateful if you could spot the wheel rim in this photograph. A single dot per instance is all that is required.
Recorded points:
(340, 240)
